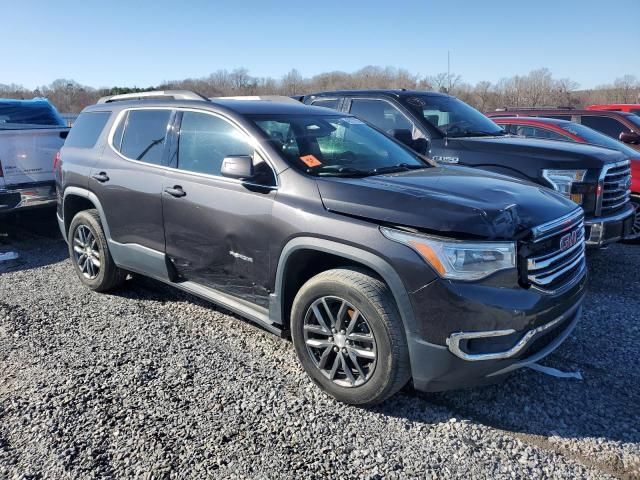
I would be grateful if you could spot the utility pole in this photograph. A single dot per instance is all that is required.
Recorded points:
(449, 71)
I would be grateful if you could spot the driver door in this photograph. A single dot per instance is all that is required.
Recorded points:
(217, 229)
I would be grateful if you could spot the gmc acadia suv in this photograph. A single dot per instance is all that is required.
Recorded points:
(450, 131)
(381, 267)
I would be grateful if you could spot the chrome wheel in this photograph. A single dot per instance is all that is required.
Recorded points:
(340, 341)
(86, 252)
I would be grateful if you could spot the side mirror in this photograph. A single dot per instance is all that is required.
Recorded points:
(240, 167)
(630, 137)
(421, 145)
(403, 136)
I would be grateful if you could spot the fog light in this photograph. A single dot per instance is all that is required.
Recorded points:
(596, 233)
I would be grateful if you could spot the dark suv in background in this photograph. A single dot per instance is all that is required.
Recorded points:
(450, 131)
(381, 267)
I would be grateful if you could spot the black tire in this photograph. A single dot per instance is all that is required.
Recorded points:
(108, 275)
(635, 201)
(374, 302)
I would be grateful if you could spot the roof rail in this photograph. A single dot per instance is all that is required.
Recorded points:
(264, 98)
(153, 95)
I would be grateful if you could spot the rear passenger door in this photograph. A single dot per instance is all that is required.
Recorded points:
(217, 229)
(128, 178)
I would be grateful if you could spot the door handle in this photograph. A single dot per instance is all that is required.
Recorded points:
(101, 177)
(176, 191)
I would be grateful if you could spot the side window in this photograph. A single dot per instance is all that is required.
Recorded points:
(205, 140)
(539, 132)
(381, 114)
(144, 135)
(606, 125)
(86, 129)
(327, 103)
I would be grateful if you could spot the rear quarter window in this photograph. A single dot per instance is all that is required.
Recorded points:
(86, 129)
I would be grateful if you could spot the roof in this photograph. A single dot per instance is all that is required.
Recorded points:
(242, 107)
(546, 120)
(262, 107)
(389, 92)
(557, 111)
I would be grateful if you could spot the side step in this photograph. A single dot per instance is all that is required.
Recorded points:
(255, 313)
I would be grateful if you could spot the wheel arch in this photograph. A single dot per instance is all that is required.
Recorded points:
(77, 199)
(334, 254)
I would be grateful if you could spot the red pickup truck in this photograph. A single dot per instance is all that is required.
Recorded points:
(617, 107)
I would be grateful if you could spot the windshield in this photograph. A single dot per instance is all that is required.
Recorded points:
(596, 138)
(451, 116)
(16, 114)
(336, 145)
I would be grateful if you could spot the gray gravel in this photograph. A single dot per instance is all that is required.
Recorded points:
(154, 383)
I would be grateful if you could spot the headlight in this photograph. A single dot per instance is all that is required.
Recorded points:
(460, 260)
(562, 180)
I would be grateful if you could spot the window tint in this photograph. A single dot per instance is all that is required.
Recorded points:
(86, 129)
(635, 111)
(606, 125)
(25, 114)
(557, 117)
(538, 132)
(327, 103)
(144, 136)
(205, 140)
(381, 114)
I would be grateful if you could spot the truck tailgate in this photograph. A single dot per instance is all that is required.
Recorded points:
(26, 156)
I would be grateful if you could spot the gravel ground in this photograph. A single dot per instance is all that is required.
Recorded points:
(154, 383)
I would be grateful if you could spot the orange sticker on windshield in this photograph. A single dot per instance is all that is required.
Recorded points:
(311, 161)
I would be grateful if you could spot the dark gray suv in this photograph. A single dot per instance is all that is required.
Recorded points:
(381, 266)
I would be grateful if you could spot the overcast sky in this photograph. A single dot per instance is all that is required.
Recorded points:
(142, 43)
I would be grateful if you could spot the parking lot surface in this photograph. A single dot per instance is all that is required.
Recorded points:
(150, 382)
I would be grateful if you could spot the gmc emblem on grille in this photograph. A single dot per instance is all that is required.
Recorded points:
(568, 240)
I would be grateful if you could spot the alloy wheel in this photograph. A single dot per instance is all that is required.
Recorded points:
(340, 341)
(87, 252)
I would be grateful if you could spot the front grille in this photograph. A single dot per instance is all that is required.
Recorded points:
(615, 187)
(555, 258)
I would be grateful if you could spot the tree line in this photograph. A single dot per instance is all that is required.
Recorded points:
(535, 89)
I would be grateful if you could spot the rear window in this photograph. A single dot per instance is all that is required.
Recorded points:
(86, 129)
(27, 114)
(143, 135)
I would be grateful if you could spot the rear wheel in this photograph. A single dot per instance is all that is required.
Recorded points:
(90, 255)
(349, 337)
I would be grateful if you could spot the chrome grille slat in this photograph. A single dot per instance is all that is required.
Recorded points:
(613, 195)
(550, 268)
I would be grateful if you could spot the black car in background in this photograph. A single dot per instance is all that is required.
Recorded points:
(452, 132)
(382, 267)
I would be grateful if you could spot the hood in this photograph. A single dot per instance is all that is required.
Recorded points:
(565, 154)
(449, 201)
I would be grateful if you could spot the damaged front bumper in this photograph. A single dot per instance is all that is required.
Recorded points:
(475, 333)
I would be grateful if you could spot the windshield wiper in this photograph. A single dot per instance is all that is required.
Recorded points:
(401, 167)
(339, 172)
(478, 133)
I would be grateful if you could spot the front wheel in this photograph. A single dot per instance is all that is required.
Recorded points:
(349, 337)
(90, 254)
(635, 229)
